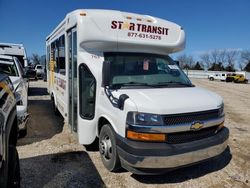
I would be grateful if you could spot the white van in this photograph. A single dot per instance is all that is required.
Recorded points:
(16, 50)
(218, 76)
(110, 77)
(11, 66)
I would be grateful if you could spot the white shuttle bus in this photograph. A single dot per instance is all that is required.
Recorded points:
(110, 77)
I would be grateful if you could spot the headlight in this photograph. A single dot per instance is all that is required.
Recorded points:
(221, 110)
(138, 118)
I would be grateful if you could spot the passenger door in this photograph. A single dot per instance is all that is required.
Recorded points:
(73, 97)
(87, 100)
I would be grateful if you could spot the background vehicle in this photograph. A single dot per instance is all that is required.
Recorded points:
(11, 66)
(39, 71)
(218, 76)
(16, 50)
(236, 78)
(114, 83)
(30, 72)
(9, 161)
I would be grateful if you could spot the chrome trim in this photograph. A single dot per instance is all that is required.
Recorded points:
(174, 128)
(176, 160)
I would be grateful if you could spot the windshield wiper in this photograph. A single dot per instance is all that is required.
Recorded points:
(119, 85)
(174, 82)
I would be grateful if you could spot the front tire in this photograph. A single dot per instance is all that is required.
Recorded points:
(211, 79)
(14, 168)
(56, 111)
(107, 149)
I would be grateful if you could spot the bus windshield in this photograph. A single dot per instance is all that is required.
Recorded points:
(144, 70)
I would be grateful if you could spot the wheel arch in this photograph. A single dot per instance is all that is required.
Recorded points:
(103, 120)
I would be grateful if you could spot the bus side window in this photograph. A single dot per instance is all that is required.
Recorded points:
(61, 55)
(58, 55)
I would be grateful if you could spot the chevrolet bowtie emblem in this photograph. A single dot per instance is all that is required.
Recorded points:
(196, 126)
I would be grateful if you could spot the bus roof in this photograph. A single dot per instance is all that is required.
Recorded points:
(110, 30)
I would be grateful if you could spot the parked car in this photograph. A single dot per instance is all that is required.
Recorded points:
(9, 160)
(236, 78)
(217, 76)
(11, 66)
(30, 72)
(39, 71)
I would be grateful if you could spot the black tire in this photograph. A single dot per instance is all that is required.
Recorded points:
(14, 168)
(56, 111)
(4, 171)
(22, 133)
(107, 149)
(211, 79)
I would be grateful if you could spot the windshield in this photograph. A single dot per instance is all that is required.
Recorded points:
(140, 69)
(8, 67)
(39, 67)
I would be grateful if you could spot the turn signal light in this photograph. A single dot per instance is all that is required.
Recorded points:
(83, 14)
(220, 126)
(145, 136)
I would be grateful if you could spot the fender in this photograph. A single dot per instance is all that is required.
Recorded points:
(109, 120)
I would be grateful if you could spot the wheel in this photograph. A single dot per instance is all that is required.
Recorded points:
(4, 171)
(14, 168)
(56, 111)
(107, 149)
(211, 79)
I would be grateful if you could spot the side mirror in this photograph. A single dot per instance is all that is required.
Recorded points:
(106, 73)
(121, 101)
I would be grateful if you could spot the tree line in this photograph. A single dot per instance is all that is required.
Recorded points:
(217, 60)
(35, 59)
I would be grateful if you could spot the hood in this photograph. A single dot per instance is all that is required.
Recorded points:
(172, 100)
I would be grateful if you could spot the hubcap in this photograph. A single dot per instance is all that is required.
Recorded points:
(105, 147)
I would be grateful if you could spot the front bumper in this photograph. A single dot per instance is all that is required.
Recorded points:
(140, 157)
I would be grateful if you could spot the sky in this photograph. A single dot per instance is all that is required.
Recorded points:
(210, 24)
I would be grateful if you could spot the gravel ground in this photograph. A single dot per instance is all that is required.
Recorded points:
(51, 157)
